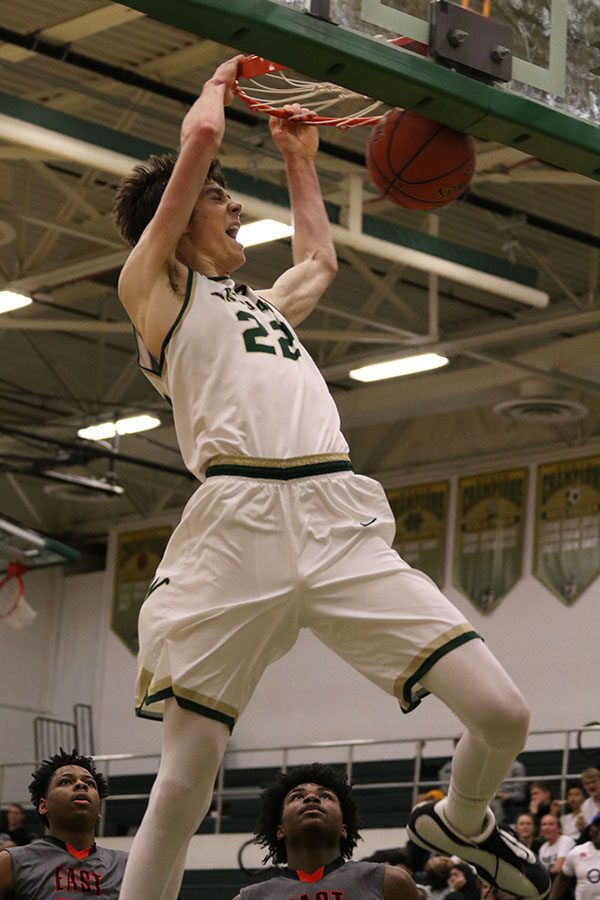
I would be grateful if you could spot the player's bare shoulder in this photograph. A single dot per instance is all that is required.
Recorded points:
(152, 299)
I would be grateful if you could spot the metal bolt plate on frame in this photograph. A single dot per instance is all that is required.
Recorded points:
(470, 42)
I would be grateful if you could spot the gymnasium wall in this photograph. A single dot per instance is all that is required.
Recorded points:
(70, 655)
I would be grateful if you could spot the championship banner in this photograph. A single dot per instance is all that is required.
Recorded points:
(138, 555)
(421, 514)
(567, 532)
(488, 547)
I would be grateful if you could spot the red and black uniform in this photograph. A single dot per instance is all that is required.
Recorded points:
(51, 870)
(338, 880)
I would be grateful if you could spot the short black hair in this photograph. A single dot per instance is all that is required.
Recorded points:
(38, 788)
(139, 194)
(272, 804)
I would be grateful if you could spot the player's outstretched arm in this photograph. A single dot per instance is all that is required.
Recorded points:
(5, 874)
(201, 135)
(398, 884)
(298, 290)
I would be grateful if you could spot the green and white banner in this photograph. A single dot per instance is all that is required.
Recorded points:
(488, 546)
(567, 532)
(138, 555)
(421, 513)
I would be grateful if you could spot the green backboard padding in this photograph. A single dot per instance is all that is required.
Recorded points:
(399, 78)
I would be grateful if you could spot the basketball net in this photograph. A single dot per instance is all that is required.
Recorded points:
(14, 609)
(276, 89)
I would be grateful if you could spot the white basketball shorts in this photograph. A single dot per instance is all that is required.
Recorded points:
(264, 551)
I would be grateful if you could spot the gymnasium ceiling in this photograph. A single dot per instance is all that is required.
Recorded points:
(68, 359)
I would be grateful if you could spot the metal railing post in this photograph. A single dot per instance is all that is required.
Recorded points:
(102, 822)
(564, 769)
(219, 808)
(419, 746)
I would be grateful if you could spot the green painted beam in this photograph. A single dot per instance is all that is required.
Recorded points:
(139, 149)
(80, 129)
(398, 77)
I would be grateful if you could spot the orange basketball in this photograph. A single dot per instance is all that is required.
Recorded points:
(418, 163)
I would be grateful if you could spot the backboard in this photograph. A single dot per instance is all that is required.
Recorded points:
(549, 109)
(556, 43)
(30, 548)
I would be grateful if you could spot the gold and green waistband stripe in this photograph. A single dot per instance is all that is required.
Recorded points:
(279, 469)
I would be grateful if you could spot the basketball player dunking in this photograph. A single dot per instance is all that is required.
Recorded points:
(282, 534)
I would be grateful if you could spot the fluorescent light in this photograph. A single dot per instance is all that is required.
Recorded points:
(262, 232)
(9, 300)
(393, 368)
(105, 430)
(137, 423)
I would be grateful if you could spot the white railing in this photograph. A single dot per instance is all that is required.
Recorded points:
(586, 740)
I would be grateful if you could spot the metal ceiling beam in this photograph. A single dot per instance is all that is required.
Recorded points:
(75, 28)
(567, 381)
(486, 337)
(100, 326)
(330, 53)
(73, 271)
(445, 264)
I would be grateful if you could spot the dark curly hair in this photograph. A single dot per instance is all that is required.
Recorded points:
(38, 788)
(272, 804)
(139, 194)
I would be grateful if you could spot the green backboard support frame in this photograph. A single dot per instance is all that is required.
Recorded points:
(399, 78)
(31, 548)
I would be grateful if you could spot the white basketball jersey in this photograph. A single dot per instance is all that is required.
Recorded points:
(239, 380)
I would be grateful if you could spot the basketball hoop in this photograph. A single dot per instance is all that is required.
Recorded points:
(14, 609)
(278, 89)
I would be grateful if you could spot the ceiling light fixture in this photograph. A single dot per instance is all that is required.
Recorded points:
(263, 231)
(94, 484)
(103, 431)
(9, 300)
(394, 368)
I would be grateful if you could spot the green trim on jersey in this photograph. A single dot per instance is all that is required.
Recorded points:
(410, 698)
(281, 474)
(185, 703)
(161, 361)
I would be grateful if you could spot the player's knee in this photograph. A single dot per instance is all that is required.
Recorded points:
(175, 796)
(506, 722)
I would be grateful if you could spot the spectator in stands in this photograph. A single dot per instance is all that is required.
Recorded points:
(583, 864)
(463, 883)
(509, 793)
(526, 830)
(435, 877)
(590, 779)
(309, 822)
(444, 772)
(15, 834)
(66, 791)
(554, 850)
(571, 819)
(540, 800)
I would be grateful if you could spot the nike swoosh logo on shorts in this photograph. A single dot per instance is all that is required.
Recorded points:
(364, 524)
